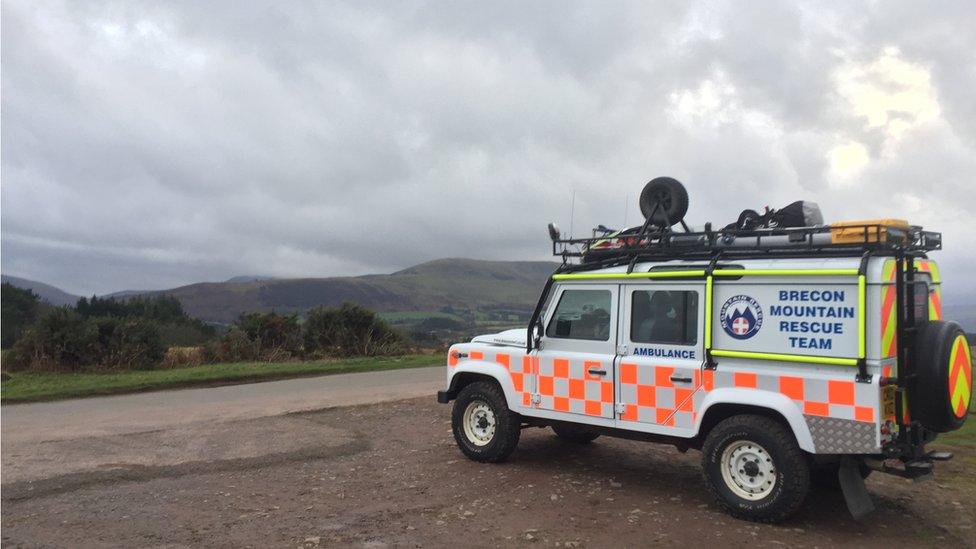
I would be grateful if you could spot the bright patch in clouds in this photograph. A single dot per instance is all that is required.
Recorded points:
(711, 104)
(849, 159)
(889, 93)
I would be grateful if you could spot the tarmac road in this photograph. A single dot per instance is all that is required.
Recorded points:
(389, 474)
(45, 421)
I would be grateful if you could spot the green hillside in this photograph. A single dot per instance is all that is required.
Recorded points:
(459, 284)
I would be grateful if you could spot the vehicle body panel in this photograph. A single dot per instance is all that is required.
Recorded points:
(668, 389)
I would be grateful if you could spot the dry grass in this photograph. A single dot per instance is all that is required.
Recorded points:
(181, 357)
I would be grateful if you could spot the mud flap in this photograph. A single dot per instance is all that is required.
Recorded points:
(855, 492)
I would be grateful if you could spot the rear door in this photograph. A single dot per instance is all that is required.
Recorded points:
(575, 374)
(660, 369)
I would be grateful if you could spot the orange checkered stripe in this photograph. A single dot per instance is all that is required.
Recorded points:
(565, 386)
(519, 366)
(833, 398)
(649, 396)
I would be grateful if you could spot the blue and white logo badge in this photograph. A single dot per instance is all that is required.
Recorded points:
(741, 316)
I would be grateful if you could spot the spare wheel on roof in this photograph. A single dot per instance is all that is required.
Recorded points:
(664, 201)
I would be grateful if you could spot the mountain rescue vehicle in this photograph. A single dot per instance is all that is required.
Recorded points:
(788, 351)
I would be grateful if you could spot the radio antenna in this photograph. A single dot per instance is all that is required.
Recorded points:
(572, 214)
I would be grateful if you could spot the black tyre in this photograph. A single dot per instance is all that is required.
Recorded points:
(484, 428)
(940, 391)
(664, 201)
(575, 434)
(755, 469)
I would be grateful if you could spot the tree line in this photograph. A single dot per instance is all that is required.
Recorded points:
(145, 332)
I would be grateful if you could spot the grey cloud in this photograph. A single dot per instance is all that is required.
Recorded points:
(150, 145)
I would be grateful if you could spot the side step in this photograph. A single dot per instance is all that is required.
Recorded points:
(919, 469)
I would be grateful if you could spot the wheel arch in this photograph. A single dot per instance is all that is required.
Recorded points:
(483, 371)
(725, 403)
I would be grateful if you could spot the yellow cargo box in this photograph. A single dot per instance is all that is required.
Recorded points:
(871, 230)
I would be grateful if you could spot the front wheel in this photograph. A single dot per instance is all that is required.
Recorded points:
(755, 469)
(484, 428)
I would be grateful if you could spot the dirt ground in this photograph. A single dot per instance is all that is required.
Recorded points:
(390, 475)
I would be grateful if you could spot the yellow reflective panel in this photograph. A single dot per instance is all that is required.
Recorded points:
(786, 358)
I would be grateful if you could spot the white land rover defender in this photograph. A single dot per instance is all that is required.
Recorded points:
(788, 352)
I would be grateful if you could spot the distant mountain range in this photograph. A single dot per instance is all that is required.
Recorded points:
(461, 284)
(465, 284)
(54, 296)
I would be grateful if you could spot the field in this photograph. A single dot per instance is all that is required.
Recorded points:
(402, 317)
(30, 387)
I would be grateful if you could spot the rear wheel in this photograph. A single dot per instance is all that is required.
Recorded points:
(755, 469)
(484, 428)
(575, 434)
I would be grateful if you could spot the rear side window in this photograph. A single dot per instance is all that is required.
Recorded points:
(669, 317)
(582, 314)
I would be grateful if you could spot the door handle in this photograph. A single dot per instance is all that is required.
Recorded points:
(680, 379)
(596, 372)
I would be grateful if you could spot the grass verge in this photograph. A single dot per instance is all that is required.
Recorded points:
(32, 387)
(965, 437)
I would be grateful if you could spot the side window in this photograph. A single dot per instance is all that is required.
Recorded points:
(664, 317)
(581, 314)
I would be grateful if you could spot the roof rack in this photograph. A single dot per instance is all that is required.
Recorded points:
(648, 243)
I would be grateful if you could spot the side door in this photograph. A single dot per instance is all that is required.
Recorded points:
(662, 354)
(575, 362)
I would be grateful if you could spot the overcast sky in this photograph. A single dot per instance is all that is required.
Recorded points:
(150, 145)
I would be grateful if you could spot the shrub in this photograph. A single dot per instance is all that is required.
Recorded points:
(350, 330)
(128, 343)
(235, 346)
(64, 340)
(60, 340)
(18, 309)
(258, 336)
(277, 336)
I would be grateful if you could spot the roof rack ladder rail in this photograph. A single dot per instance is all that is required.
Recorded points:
(910, 435)
(908, 339)
(862, 367)
(899, 348)
(902, 345)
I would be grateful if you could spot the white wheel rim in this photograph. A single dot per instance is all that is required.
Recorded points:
(479, 423)
(748, 470)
